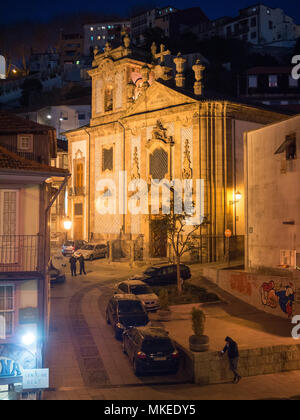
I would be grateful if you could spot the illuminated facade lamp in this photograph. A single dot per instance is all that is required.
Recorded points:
(67, 224)
(237, 198)
(28, 339)
(49, 117)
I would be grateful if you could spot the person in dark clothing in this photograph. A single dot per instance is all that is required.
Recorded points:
(232, 350)
(73, 263)
(82, 265)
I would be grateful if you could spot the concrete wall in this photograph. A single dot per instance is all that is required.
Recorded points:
(273, 195)
(211, 368)
(273, 294)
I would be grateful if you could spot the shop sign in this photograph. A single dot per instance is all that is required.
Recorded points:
(9, 368)
(36, 379)
(28, 316)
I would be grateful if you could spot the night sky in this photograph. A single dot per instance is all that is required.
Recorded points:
(38, 10)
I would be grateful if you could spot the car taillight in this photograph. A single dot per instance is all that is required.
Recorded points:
(175, 354)
(141, 355)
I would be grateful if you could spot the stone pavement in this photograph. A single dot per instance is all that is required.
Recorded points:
(267, 387)
(247, 325)
(86, 362)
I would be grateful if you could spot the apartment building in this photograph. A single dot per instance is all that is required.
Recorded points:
(25, 201)
(257, 24)
(98, 34)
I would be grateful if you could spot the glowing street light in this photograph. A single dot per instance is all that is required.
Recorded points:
(67, 224)
(28, 339)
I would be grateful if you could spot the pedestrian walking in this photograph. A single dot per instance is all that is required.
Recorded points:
(232, 350)
(82, 264)
(73, 263)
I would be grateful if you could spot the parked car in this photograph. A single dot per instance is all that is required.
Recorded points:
(150, 350)
(163, 275)
(56, 276)
(142, 291)
(124, 311)
(69, 247)
(92, 251)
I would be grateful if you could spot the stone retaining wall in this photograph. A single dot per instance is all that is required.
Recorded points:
(210, 368)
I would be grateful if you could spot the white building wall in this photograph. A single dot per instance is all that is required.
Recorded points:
(273, 196)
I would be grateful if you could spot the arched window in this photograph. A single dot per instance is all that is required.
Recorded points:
(159, 165)
(108, 98)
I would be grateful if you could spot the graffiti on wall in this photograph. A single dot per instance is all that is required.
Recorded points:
(277, 293)
(240, 283)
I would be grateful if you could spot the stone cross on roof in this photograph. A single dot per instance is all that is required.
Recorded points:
(161, 55)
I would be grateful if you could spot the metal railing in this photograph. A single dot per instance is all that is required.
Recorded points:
(19, 253)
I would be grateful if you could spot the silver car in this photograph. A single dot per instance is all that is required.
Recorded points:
(92, 251)
(142, 291)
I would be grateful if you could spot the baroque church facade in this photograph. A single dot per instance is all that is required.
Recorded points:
(150, 124)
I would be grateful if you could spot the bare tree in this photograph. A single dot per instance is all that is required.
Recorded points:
(180, 233)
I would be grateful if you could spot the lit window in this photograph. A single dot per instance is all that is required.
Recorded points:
(252, 81)
(25, 143)
(7, 309)
(92, 38)
(99, 37)
(273, 81)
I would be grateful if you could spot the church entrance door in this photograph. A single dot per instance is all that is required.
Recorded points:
(158, 238)
(78, 228)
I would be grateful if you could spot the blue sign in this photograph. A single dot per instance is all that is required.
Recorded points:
(2, 67)
(9, 368)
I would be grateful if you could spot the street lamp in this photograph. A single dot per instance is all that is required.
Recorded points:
(67, 226)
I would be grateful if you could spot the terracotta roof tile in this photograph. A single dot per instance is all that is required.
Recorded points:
(11, 161)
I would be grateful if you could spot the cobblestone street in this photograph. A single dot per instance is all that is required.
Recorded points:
(87, 362)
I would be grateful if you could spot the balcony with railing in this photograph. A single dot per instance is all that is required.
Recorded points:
(20, 253)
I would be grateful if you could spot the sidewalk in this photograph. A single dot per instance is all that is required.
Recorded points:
(247, 325)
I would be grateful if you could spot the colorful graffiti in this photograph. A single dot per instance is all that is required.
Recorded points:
(273, 295)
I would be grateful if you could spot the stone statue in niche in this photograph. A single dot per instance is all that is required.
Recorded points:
(187, 170)
(159, 133)
(136, 165)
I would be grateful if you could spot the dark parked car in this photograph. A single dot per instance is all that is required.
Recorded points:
(150, 350)
(56, 276)
(166, 274)
(124, 311)
(69, 247)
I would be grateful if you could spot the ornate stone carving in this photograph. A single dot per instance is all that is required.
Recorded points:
(187, 170)
(179, 78)
(159, 134)
(126, 41)
(130, 91)
(153, 50)
(161, 55)
(107, 49)
(198, 69)
(136, 165)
